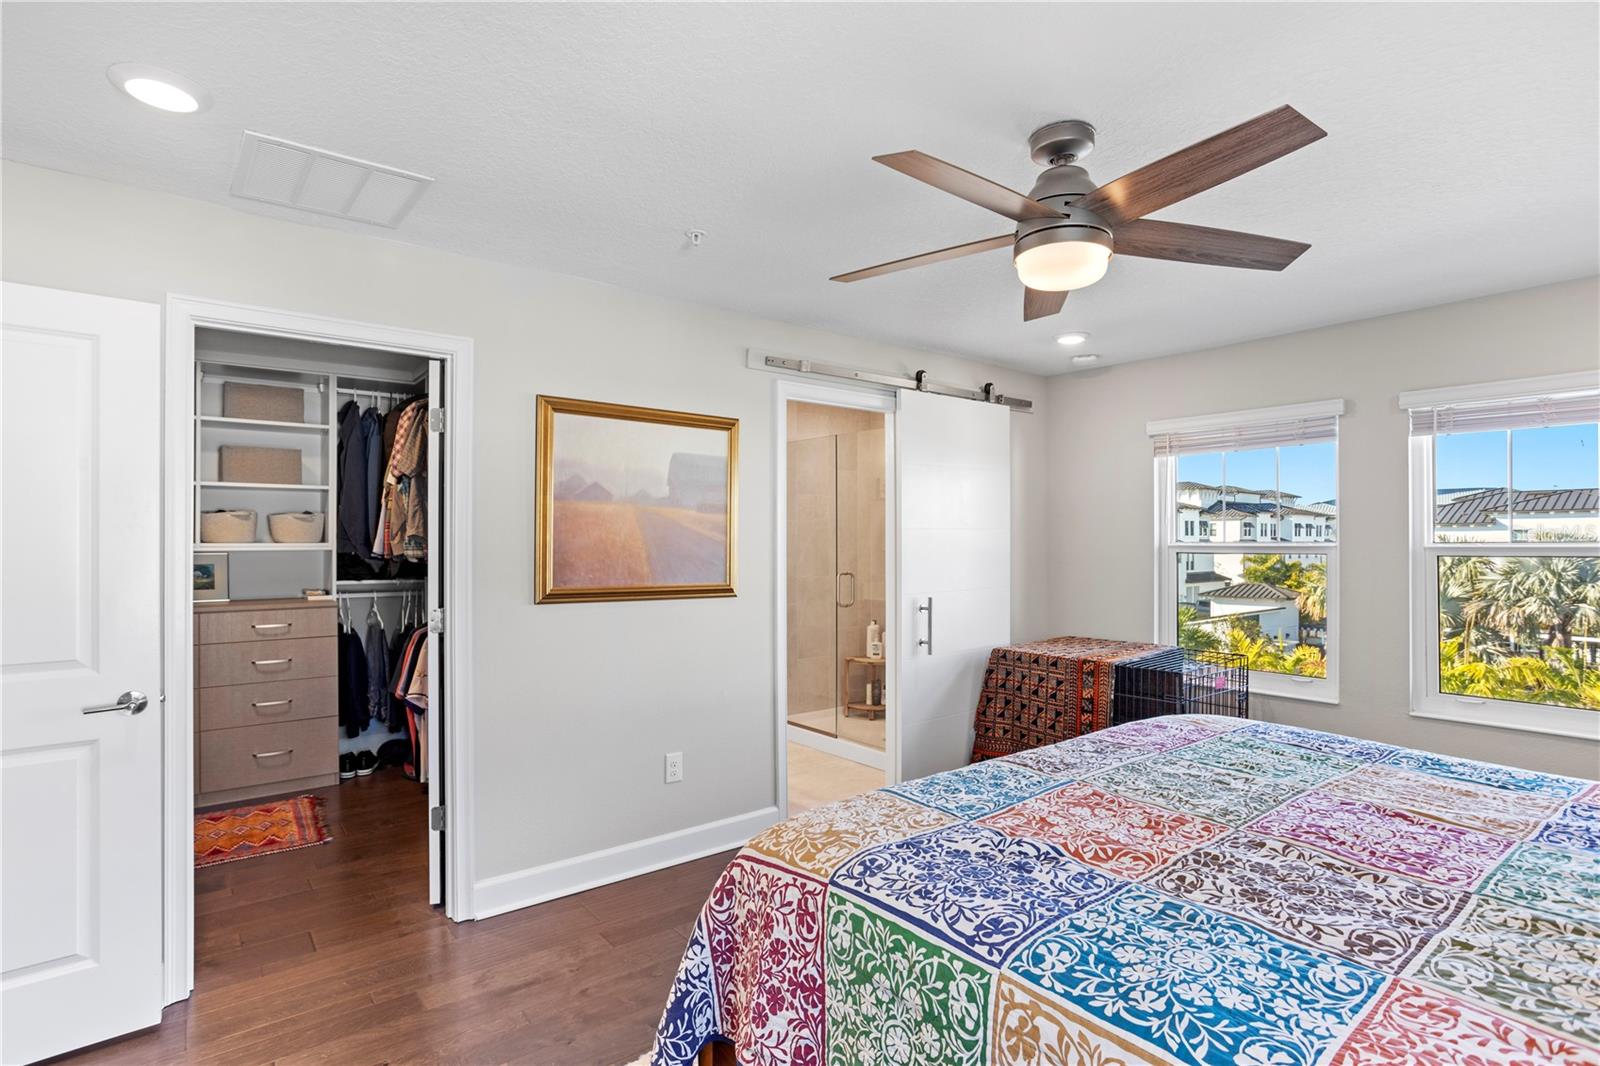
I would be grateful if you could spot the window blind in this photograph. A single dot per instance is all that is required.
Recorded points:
(1522, 412)
(1244, 430)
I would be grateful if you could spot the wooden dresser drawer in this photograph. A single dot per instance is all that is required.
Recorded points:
(267, 660)
(232, 706)
(231, 627)
(262, 754)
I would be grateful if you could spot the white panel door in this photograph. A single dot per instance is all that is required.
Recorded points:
(80, 626)
(955, 570)
(434, 734)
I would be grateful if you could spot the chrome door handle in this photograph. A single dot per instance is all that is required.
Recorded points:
(270, 662)
(131, 701)
(271, 754)
(927, 641)
(842, 575)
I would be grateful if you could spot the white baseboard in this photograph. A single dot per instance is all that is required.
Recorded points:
(524, 888)
(844, 749)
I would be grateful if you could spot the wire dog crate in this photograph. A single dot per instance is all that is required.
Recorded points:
(1177, 681)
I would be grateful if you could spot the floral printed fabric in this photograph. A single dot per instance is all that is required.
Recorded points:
(1176, 890)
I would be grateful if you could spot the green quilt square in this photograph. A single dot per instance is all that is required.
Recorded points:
(896, 998)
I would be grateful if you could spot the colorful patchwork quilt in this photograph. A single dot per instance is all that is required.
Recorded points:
(1185, 889)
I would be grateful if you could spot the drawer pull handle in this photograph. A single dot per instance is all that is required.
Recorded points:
(271, 625)
(272, 703)
(271, 662)
(272, 754)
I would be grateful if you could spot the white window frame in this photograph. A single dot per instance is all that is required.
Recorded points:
(1426, 699)
(1168, 547)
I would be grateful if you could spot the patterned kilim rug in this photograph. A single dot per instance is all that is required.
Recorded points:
(244, 832)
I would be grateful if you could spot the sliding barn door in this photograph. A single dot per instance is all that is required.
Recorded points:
(955, 570)
(80, 684)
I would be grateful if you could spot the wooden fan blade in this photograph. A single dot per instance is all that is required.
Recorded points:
(953, 252)
(1153, 239)
(1039, 304)
(967, 185)
(1203, 166)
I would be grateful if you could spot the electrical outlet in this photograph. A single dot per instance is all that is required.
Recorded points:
(674, 766)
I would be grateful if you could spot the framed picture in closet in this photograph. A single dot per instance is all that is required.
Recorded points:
(210, 576)
(633, 503)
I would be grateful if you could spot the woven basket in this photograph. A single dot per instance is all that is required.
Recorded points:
(269, 403)
(295, 527)
(266, 466)
(228, 527)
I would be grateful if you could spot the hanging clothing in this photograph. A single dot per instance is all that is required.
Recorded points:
(372, 472)
(377, 669)
(352, 472)
(353, 709)
(405, 496)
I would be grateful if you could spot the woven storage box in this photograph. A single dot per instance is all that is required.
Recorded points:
(267, 466)
(228, 527)
(295, 527)
(269, 403)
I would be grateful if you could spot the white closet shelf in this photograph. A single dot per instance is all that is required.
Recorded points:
(260, 485)
(261, 423)
(258, 546)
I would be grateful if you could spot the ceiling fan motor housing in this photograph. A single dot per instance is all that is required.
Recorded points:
(1060, 187)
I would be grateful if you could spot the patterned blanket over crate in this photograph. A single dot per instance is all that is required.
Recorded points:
(1048, 691)
(1187, 889)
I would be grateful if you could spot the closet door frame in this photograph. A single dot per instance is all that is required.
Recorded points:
(184, 315)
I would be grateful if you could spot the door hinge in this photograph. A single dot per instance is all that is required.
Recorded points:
(436, 420)
(436, 819)
(436, 620)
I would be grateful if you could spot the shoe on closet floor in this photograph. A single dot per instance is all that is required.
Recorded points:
(366, 762)
(347, 766)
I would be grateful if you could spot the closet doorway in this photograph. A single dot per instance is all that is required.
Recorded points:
(317, 547)
(838, 511)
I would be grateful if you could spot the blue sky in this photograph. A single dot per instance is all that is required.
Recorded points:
(1558, 457)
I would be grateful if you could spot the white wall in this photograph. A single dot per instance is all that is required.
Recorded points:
(1102, 571)
(576, 703)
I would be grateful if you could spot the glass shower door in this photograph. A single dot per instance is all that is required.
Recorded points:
(813, 584)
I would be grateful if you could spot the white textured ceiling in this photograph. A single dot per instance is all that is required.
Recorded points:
(1462, 155)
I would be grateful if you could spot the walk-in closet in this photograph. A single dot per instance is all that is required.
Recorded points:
(317, 492)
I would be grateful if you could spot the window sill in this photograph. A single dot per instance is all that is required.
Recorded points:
(1280, 688)
(1552, 721)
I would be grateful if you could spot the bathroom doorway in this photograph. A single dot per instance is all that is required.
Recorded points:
(837, 680)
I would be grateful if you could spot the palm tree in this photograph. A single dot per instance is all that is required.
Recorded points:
(1192, 634)
(1312, 592)
(1545, 595)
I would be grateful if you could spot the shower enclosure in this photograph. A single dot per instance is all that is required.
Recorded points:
(836, 551)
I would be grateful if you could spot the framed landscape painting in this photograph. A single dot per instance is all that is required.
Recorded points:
(633, 503)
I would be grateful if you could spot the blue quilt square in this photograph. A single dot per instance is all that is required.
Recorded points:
(1488, 773)
(976, 790)
(1577, 825)
(975, 888)
(1202, 987)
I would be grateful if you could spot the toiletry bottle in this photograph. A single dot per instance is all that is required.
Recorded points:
(874, 644)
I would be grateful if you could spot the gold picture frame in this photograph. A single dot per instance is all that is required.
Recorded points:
(628, 501)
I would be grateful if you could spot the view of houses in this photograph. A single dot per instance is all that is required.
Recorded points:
(1516, 628)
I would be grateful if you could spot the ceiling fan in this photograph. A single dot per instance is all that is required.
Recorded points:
(1067, 227)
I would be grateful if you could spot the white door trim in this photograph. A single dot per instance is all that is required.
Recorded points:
(183, 315)
(862, 398)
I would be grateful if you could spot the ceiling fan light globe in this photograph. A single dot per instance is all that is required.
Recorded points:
(1062, 266)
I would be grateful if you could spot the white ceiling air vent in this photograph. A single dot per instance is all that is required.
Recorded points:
(276, 171)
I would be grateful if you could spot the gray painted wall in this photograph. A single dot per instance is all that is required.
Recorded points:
(1102, 504)
(576, 703)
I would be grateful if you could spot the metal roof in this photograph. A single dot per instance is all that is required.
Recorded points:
(1252, 590)
(1482, 508)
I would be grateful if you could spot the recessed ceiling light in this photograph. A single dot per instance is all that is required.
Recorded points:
(1085, 360)
(160, 89)
(1072, 340)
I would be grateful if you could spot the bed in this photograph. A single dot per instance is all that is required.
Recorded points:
(1185, 889)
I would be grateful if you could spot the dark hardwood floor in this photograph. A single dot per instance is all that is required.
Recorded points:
(331, 954)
